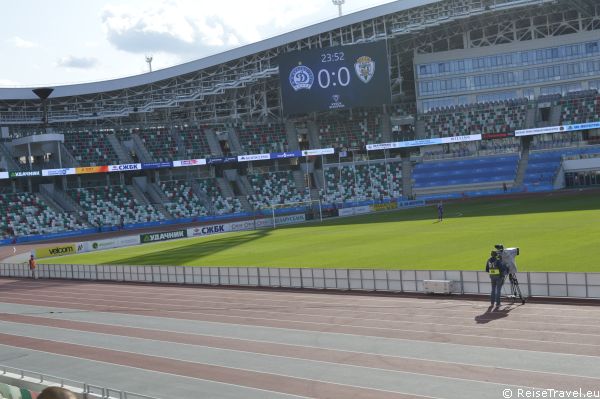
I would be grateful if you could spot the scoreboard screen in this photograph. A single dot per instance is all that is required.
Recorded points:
(334, 78)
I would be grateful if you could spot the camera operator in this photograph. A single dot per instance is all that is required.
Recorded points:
(508, 258)
(497, 271)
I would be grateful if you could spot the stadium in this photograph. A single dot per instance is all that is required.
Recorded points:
(371, 153)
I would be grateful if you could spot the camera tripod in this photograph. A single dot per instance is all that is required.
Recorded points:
(515, 290)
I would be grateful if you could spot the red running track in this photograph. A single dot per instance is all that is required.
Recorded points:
(168, 341)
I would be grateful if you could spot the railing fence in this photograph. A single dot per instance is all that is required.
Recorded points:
(543, 284)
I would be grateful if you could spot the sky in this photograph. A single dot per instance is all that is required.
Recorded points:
(73, 41)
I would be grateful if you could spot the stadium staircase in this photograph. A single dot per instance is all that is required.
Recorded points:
(52, 205)
(179, 142)
(300, 180)
(245, 189)
(213, 142)
(225, 187)
(138, 194)
(386, 126)
(68, 160)
(200, 193)
(122, 154)
(318, 178)
(158, 198)
(407, 169)
(140, 150)
(64, 201)
(523, 161)
(420, 132)
(292, 136)
(313, 134)
(234, 141)
(11, 164)
(530, 118)
(555, 114)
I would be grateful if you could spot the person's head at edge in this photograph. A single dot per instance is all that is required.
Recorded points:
(56, 393)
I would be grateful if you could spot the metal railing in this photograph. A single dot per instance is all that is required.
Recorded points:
(539, 284)
(38, 381)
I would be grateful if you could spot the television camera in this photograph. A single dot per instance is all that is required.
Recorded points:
(508, 255)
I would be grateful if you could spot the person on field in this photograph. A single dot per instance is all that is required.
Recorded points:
(56, 393)
(32, 267)
(440, 209)
(497, 271)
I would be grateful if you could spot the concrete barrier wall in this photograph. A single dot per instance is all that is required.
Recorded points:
(540, 284)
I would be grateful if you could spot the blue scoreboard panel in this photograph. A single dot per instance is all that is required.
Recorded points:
(334, 78)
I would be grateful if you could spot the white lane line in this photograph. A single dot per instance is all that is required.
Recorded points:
(354, 352)
(133, 287)
(525, 311)
(410, 373)
(158, 372)
(256, 314)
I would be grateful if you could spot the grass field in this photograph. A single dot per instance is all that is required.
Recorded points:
(555, 232)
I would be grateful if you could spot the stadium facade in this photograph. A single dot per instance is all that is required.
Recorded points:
(485, 96)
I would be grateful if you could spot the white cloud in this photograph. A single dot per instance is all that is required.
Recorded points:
(189, 27)
(19, 42)
(77, 62)
(9, 83)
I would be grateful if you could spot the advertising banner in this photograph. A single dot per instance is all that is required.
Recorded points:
(189, 162)
(558, 129)
(539, 130)
(253, 157)
(3, 175)
(424, 142)
(381, 146)
(218, 160)
(157, 237)
(282, 155)
(319, 151)
(281, 220)
(91, 169)
(357, 210)
(384, 207)
(125, 167)
(24, 174)
(58, 172)
(56, 250)
(156, 165)
(209, 230)
(99, 245)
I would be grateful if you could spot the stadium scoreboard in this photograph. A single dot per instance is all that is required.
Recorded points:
(334, 78)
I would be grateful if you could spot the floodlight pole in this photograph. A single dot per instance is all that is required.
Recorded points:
(339, 4)
(149, 59)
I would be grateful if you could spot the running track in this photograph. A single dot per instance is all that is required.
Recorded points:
(198, 342)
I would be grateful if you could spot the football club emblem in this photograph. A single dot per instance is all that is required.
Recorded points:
(364, 68)
(336, 98)
(301, 77)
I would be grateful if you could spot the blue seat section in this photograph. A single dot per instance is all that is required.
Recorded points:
(465, 171)
(543, 166)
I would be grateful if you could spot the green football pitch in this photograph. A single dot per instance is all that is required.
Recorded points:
(555, 232)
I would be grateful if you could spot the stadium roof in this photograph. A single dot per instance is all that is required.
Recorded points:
(207, 62)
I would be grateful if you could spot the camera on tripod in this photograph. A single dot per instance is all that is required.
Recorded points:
(507, 255)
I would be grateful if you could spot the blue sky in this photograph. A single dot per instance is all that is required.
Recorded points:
(70, 41)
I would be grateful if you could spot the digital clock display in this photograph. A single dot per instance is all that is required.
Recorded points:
(334, 78)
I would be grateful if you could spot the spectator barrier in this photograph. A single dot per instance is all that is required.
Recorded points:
(33, 382)
(538, 284)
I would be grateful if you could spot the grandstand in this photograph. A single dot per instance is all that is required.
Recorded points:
(470, 82)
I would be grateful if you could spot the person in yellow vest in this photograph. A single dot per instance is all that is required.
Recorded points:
(497, 271)
(32, 267)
